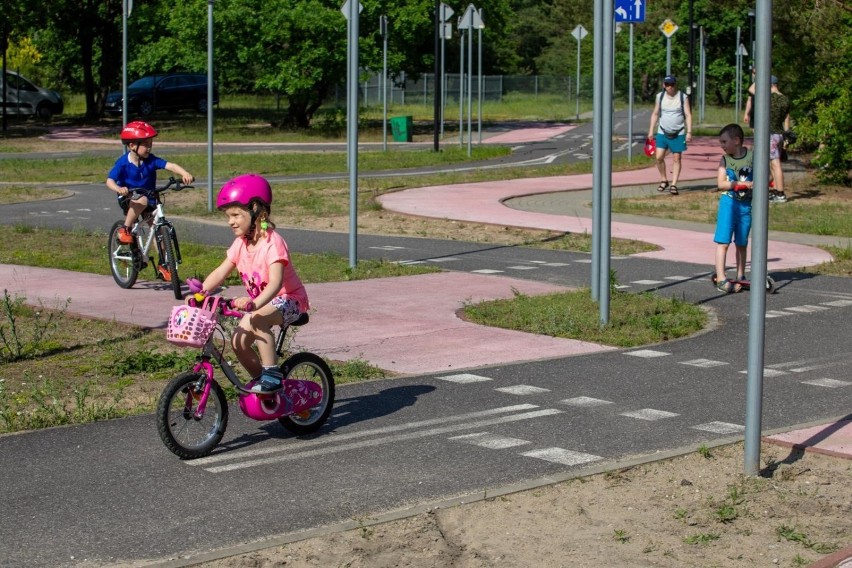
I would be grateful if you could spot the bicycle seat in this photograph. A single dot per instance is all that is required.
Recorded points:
(303, 319)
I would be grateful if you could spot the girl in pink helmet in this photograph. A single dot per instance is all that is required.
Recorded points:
(276, 296)
(137, 169)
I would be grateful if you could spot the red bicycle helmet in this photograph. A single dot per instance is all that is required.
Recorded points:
(650, 147)
(243, 190)
(137, 130)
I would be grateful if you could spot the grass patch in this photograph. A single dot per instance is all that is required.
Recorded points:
(636, 319)
(15, 194)
(78, 370)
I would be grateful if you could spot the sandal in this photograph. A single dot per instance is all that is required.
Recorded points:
(663, 185)
(725, 286)
(673, 190)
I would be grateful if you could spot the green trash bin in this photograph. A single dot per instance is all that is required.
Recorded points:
(401, 127)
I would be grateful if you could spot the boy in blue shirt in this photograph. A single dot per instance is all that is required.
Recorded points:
(138, 169)
(735, 179)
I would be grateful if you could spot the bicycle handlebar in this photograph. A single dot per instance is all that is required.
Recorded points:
(174, 184)
(226, 305)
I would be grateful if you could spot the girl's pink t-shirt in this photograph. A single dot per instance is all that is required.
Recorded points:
(253, 266)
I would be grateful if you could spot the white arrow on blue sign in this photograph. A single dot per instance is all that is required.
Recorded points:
(630, 11)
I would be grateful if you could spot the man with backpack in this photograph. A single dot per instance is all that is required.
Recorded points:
(672, 119)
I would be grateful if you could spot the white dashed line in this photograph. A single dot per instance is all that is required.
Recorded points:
(521, 267)
(585, 401)
(522, 390)
(465, 378)
(490, 441)
(829, 383)
(838, 303)
(704, 363)
(720, 428)
(647, 353)
(561, 456)
(806, 309)
(649, 414)
(487, 271)
(768, 372)
(647, 282)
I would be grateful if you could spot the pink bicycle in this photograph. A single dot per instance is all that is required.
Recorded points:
(192, 412)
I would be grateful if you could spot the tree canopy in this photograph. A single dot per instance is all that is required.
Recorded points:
(297, 48)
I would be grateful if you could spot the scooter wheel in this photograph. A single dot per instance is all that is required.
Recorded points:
(770, 285)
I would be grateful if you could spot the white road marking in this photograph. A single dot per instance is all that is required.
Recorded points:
(388, 247)
(776, 313)
(490, 441)
(522, 390)
(443, 259)
(562, 456)
(465, 378)
(806, 309)
(647, 353)
(649, 414)
(522, 267)
(585, 401)
(838, 303)
(332, 438)
(768, 372)
(830, 383)
(487, 271)
(677, 278)
(301, 455)
(704, 363)
(720, 428)
(647, 282)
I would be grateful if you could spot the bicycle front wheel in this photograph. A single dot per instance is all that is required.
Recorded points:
(309, 367)
(186, 434)
(124, 260)
(169, 259)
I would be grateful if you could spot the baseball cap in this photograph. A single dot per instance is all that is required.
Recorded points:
(671, 79)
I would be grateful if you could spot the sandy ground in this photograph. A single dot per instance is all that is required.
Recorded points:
(695, 510)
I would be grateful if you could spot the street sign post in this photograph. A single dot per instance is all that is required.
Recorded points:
(579, 33)
(630, 11)
(668, 27)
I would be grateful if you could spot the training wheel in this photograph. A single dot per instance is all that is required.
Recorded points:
(770, 285)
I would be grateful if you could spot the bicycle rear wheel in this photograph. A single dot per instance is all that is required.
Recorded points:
(169, 259)
(124, 260)
(309, 367)
(185, 434)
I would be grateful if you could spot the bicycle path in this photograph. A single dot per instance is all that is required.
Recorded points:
(412, 326)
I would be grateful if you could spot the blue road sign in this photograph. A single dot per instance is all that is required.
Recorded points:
(630, 11)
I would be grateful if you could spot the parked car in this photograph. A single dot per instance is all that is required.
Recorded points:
(167, 91)
(23, 97)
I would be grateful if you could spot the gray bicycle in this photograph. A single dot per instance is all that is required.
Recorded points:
(152, 227)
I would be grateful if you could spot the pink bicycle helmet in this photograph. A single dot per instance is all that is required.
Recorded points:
(137, 130)
(243, 190)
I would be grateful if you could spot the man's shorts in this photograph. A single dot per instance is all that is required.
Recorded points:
(776, 142)
(734, 218)
(674, 145)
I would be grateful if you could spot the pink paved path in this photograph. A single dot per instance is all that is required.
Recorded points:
(405, 325)
(483, 203)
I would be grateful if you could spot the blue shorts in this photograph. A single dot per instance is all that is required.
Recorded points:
(674, 145)
(734, 218)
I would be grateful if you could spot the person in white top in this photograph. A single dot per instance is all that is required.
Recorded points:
(671, 129)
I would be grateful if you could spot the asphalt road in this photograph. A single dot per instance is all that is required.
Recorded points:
(110, 493)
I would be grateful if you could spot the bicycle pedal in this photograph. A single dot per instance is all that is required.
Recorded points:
(303, 415)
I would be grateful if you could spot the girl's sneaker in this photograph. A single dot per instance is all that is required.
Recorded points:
(269, 381)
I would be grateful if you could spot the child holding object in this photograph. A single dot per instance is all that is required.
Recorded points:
(276, 295)
(735, 180)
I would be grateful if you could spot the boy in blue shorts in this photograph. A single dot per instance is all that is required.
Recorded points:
(735, 180)
(138, 169)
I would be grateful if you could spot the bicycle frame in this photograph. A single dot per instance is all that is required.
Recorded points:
(147, 227)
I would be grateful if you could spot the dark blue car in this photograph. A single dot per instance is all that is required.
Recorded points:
(168, 91)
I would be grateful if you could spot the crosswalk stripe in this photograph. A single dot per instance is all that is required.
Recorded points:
(562, 456)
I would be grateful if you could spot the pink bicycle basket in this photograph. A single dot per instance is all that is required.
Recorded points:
(192, 326)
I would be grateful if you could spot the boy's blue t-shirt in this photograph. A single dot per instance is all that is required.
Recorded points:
(126, 174)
